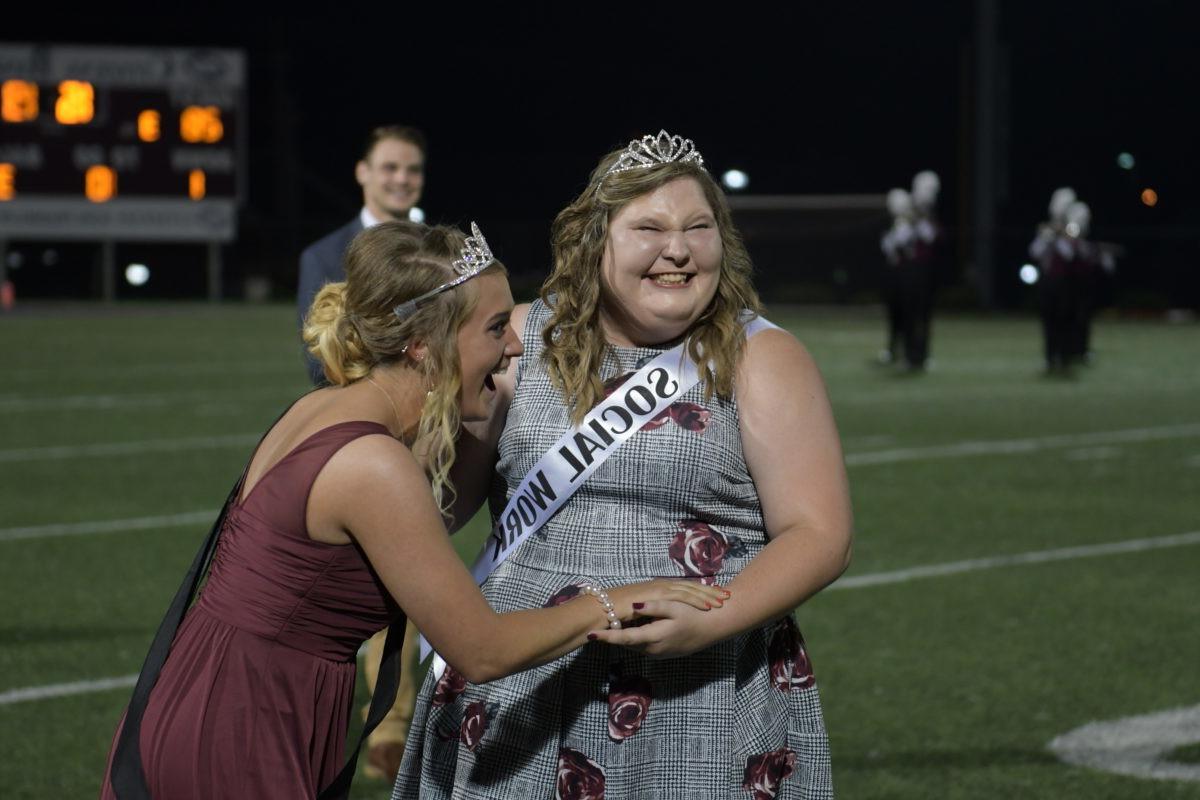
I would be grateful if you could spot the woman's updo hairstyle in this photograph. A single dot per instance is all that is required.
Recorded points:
(351, 326)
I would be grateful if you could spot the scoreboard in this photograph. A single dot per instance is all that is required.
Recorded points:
(121, 143)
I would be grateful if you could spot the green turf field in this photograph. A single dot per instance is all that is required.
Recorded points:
(935, 685)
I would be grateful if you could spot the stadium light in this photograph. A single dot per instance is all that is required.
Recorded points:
(1125, 160)
(735, 180)
(416, 214)
(1029, 274)
(137, 274)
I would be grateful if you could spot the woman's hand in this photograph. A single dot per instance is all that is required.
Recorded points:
(670, 613)
(675, 629)
(632, 601)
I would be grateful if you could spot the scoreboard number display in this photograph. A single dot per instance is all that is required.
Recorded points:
(121, 143)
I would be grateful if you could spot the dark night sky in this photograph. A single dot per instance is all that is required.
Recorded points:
(519, 104)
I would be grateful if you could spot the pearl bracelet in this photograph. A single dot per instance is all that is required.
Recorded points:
(602, 597)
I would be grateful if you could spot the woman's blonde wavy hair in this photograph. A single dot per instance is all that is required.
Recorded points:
(351, 329)
(574, 341)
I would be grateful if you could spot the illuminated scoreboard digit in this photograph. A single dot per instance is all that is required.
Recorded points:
(120, 143)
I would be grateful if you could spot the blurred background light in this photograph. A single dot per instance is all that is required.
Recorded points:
(1125, 160)
(735, 180)
(137, 274)
(416, 214)
(1029, 274)
(1150, 197)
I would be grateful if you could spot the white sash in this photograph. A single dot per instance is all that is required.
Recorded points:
(580, 452)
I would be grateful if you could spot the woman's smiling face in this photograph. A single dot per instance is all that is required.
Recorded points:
(486, 343)
(661, 265)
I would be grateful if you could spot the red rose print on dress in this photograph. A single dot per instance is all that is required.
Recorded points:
(579, 778)
(765, 772)
(788, 659)
(688, 416)
(448, 687)
(476, 717)
(629, 699)
(700, 551)
(612, 384)
(564, 594)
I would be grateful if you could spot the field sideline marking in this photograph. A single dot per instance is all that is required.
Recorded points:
(854, 582)
(106, 526)
(953, 450)
(1018, 446)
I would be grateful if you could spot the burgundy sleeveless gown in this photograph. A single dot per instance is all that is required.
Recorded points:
(255, 697)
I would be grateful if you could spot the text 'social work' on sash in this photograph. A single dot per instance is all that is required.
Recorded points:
(619, 416)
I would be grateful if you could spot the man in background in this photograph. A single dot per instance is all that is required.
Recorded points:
(391, 173)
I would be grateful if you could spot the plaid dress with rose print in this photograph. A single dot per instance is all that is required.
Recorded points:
(741, 719)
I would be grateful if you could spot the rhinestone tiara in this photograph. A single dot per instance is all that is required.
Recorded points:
(473, 259)
(650, 151)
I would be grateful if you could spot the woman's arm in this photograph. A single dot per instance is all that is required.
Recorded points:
(374, 491)
(475, 457)
(792, 450)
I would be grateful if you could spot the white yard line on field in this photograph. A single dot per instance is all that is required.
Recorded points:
(1034, 557)
(72, 451)
(92, 402)
(891, 394)
(123, 401)
(854, 582)
(188, 368)
(1033, 444)
(891, 456)
(107, 526)
(12, 696)
(1102, 452)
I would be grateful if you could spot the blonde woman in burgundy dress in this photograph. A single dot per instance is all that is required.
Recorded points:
(336, 534)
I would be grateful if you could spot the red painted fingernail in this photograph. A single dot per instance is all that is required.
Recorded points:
(639, 606)
(591, 637)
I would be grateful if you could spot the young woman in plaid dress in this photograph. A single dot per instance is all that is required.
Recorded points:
(740, 482)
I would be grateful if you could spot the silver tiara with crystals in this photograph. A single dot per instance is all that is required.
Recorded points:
(651, 151)
(473, 259)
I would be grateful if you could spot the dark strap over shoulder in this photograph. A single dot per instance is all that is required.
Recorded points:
(128, 780)
(128, 775)
(381, 702)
